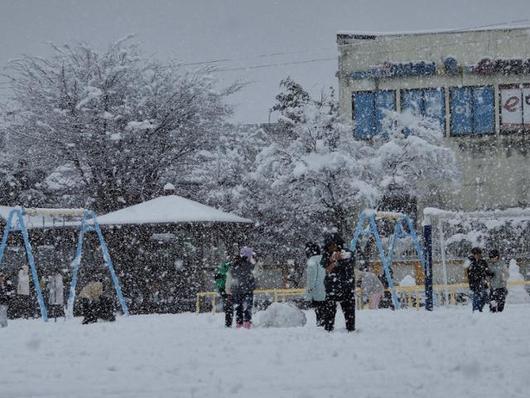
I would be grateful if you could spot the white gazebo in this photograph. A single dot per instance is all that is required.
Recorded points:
(171, 209)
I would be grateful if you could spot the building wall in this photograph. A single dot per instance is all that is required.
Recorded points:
(495, 167)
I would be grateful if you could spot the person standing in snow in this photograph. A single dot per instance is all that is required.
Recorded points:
(23, 301)
(338, 263)
(498, 282)
(55, 287)
(477, 275)
(315, 274)
(6, 294)
(372, 288)
(226, 296)
(241, 283)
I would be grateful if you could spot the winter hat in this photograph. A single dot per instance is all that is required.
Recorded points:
(247, 252)
(312, 249)
(494, 253)
(476, 250)
(333, 238)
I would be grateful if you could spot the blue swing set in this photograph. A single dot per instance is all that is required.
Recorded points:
(403, 227)
(15, 221)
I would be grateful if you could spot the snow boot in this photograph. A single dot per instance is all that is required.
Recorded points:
(247, 324)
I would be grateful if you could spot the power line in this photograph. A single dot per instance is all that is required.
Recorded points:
(250, 67)
(213, 61)
(282, 53)
(513, 23)
(264, 55)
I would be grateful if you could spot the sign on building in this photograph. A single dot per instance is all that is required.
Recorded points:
(515, 107)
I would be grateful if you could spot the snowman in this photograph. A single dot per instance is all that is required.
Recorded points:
(517, 293)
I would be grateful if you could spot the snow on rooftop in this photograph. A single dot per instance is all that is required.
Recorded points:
(373, 34)
(166, 210)
(162, 210)
(511, 213)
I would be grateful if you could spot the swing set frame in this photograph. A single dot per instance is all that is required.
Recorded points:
(15, 221)
(403, 227)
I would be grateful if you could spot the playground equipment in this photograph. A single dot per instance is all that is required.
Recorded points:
(16, 220)
(89, 223)
(403, 227)
(478, 224)
(16, 215)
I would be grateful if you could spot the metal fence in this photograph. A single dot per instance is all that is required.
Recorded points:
(409, 296)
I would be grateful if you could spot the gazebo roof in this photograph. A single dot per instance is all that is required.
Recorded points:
(168, 210)
(171, 209)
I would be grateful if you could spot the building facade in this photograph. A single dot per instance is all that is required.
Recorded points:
(476, 84)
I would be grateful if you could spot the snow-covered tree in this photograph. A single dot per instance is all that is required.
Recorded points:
(412, 159)
(321, 175)
(222, 173)
(118, 124)
(291, 102)
(313, 174)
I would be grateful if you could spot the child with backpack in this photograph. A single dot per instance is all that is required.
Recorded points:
(226, 297)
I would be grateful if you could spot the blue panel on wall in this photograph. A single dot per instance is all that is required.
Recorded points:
(384, 101)
(483, 110)
(412, 100)
(461, 111)
(364, 113)
(434, 104)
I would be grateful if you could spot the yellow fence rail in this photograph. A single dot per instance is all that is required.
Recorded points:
(409, 296)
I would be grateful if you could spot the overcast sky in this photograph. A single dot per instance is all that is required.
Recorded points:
(258, 41)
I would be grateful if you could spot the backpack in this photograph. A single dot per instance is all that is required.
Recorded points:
(220, 276)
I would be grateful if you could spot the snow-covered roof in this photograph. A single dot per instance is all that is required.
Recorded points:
(364, 34)
(491, 218)
(171, 209)
(166, 210)
(511, 213)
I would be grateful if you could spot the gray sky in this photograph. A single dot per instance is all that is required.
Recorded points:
(260, 41)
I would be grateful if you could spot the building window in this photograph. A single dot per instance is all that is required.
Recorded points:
(369, 111)
(429, 102)
(515, 107)
(472, 110)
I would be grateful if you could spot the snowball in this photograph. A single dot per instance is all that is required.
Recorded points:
(281, 315)
(408, 281)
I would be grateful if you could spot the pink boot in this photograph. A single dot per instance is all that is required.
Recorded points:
(239, 325)
(247, 324)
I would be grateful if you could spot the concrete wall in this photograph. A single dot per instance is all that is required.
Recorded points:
(495, 168)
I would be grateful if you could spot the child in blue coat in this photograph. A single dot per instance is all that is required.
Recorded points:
(315, 290)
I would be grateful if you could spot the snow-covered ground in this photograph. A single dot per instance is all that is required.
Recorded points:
(447, 353)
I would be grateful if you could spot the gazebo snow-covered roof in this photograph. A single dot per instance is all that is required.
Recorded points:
(169, 210)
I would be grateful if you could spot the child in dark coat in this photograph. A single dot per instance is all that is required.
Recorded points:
(6, 293)
(241, 284)
(478, 275)
(339, 282)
